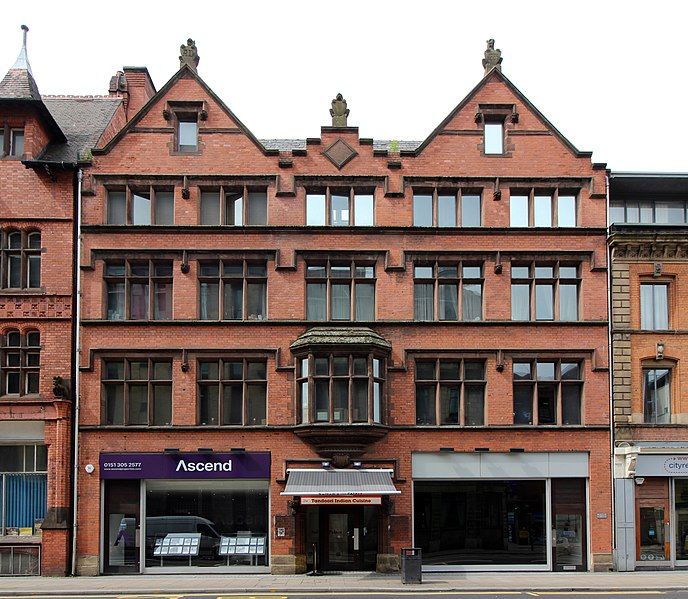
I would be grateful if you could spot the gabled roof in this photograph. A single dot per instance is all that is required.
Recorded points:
(185, 70)
(83, 120)
(497, 74)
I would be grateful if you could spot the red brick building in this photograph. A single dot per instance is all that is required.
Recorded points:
(649, 261)
(338, 346)
(41, 140)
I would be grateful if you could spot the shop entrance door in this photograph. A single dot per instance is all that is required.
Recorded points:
(569, 538)
(681, 526)
(122, 526)
(348, 538)
(652, 517)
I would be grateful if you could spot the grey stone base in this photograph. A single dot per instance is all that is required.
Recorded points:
(87, 565)
(287, 564)
(602, 562)
(387, 562)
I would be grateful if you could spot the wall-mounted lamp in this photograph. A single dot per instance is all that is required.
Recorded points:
(639, 480)
(184, 267)
(89, 468)
(500, 361)
(185, 188)
(326, 463)
(185, 361)
(357, 464)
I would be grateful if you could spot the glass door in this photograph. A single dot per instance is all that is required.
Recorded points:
(342, 538)
(121, 526)
(569, 539)
(681, 511)
(652, 516)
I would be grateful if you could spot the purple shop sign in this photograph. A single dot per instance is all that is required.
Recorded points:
(245, 464)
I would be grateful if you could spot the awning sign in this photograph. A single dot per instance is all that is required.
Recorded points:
(340, 500)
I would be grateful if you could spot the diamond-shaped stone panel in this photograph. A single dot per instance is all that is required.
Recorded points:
(339, 153)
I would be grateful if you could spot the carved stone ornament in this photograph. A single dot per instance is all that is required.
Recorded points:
(339, 153)
(339, 111)
(493, 58)
(188, 55)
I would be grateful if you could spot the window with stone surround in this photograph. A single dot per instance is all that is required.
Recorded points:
(450, 391)
(340, 206)
(140, 205)
(545, 291)
(446, 207)
(447, 290)
(548, 392)
(494, 136)
(340, 388)
(542, 208)
(232, 391)
(657, 395)
(20, 259)
(232, 289)
(20, 360)
(234, 206)
(138, 289)
(340, 290)
(136, 391)
(654, 306)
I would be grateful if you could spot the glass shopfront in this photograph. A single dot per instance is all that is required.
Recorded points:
(185, 511)
(481, 523)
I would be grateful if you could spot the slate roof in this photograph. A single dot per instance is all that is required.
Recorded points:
(286, 145)
(19, 84)
(82, 119)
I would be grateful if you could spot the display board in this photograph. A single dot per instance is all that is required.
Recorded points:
(178, 544)
(242, 545)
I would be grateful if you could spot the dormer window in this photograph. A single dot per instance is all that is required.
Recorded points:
(187, 133)
(12, 142)
(494, 137)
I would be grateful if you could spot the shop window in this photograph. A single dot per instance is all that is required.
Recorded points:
(670, 211)
(340, 207)
(232, 290)
(234, 206)
(137, 392)
(20, 259)
(232, 391)
(23, 470)
(140, 206)
(654, 306)
(537, 208)
(340, 290)
(138, 290)
(548, 392)
(657, 395)
(340, 389)
(487, 522)
(450, 391)
(447, 291)
(446, 208)
(227, 518)
(20, 356)
(545, 291)
(494, 137)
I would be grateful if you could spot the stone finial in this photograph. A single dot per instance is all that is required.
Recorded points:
(188, 55)
(339, 111)
(493, 58)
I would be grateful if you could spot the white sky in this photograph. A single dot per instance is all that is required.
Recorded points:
(609, 74)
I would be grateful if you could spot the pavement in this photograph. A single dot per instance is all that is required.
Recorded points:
(351, 583)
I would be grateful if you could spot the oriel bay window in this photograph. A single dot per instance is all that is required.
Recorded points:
(340, 389)
(540, 208)
(548, 392)
(447, 291)
(657, 395)
(544, 291)
(450, 391)
(20, 259)
(232, 290)
(136, 391)
(140, 205)
(232, 391)
(340, 207)
(138, 289)
(235, 206)
(20, 357)
(446, 208)
(340, 290)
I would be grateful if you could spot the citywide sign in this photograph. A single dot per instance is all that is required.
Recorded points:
(341, 500)
(661, 465)
(203, 465)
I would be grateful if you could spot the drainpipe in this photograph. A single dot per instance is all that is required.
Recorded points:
(76, 361)
(610, 350)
